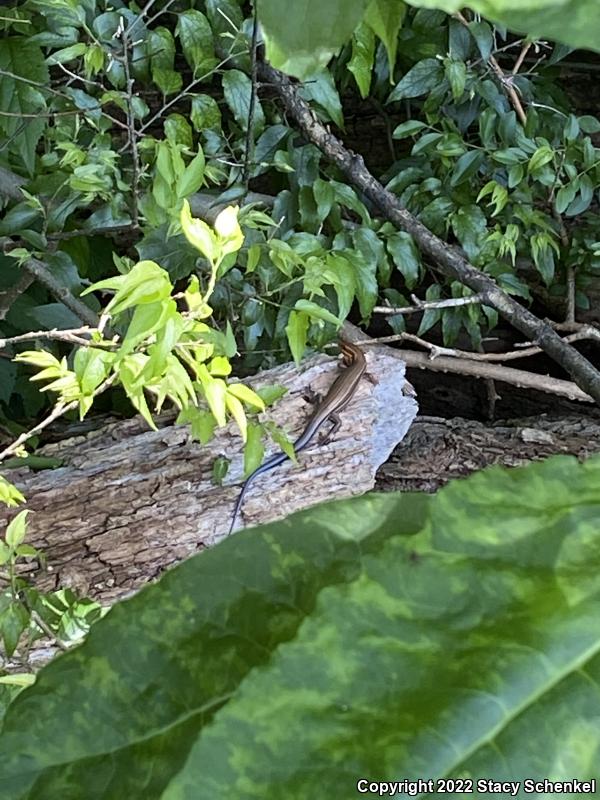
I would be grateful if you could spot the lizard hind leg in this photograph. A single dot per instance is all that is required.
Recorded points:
(335, 419)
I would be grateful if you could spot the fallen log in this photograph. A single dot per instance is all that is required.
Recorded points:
(128, 501)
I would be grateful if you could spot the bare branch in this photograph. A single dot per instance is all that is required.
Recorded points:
(436, 350)
(71, 336)
(38, 270)
(482, 370)
(423, 305)
(8, 297)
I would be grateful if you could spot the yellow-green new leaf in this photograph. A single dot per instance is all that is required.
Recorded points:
(247, 395)
(38, 358)
(9, 494)
(215, 391)
(220, 366)
(198, 233)
(228, 229)
(236, 410)
(17, 528)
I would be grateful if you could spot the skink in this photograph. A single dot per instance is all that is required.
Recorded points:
(336, 399)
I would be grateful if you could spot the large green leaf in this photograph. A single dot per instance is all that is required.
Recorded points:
(393, 636)
(23, 72)
(310, 32)
(574, 22)
(304, 38)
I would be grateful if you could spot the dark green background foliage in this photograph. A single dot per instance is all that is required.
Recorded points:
(395, 636)
(519, 199)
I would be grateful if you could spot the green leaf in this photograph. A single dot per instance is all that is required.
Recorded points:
(340, 272)
(162, 47)
(404, 253)
(202, 423)
(173, 253)
(565, 196)
(515, 175)
(408, 128)
(17, 528)
(589, 124)
(196, 38)
(320, 88)
(584, 197)
(472, 611)
(236, 409)
(193, 177)
(91, 366)
(205, 113)
(346, 195)
(363, 55)
(470, 227)
(178, 131)
(324, 195)
(316, 311)
(425, 142)
(66, 54)
(482, 33)
(198, 233)
(543, 155)
(385, 18)
(25, 60)
(365, 276)
(312, 33)
(509, 156)
(248, 395)
(220, 468)
(420, 79)
(254, 449)
(14, 621)
(146, 283)
(9, 494)
(456, 72)
(237, 89)
(467, 165)
(282, 440)
(270, 394)
(295, 331)
(215, 391)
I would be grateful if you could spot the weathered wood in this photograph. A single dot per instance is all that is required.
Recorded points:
(130, 501)
(436, 450)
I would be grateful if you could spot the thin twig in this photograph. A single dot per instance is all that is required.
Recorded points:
(188, 88)
(505, 80)
(423, 305)
(71, 336)
(41, 114)
(521, 57)
(436, 350)
(47, 630)
(8, 297)
(58, 411)
(496, 372)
